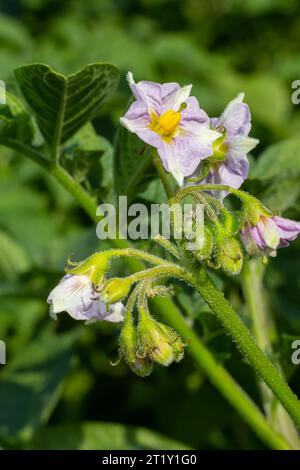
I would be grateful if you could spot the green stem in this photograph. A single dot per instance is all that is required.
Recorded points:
(246, 343)
(89, 204)
(210, 187)
(133, 252)
(215, 372)
(162, 174)
(219, 377)
(167, 245)
(265, 333)
(166, 270)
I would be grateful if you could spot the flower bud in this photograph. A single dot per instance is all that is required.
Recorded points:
(160, 343)
(230, 255)
(253, 210)
(204, 253)
(129, 349)
(115, 290)
(96, 267)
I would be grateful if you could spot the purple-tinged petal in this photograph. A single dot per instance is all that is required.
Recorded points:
(232, 172)
(147, 92)
(251, 240)
(176, 99)
(268, 231)
(99, 311)
(288, 229)
(141, 127)
(73, 294)
(241, 145)
(200, 136)
(236, 117)
(193, 112)
(116, 313)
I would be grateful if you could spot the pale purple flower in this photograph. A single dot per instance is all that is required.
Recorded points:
(76, 295)
(269, 234)
(169, 119)
(232, 168)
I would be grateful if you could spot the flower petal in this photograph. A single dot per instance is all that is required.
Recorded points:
(193, 112)
(98, 311)
(200, 136)
(182, 155)
(176, 99)
(241, 145)
(147, 92)
(116, 313)
(236, 117)
(268, 231)
(288, 230)
(73, 294)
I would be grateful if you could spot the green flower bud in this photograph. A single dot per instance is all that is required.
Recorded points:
(253, 209)
(115, 290)
(204, 253)
(159, 342)
(230, 255)
(129, 349)
(95, 267)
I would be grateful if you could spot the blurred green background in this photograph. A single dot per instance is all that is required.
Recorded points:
(58, 388)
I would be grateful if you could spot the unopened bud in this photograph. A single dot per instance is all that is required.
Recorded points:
(95, 267)
(115, 290)
(230, 255)
(129, 349)
(204, 253)
(160, 343)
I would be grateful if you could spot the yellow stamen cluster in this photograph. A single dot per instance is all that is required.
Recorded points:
(166, 124)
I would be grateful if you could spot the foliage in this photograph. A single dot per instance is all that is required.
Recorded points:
(58, 387)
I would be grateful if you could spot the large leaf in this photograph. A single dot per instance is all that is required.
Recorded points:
(277, 173)
(63, 104)
(280, 160)
(132, 163)
(281, 195)
(30, 385)
(102, 436)
(15, 123)
(13, 258)
(83, 152)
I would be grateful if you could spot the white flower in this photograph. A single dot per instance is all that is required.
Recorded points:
(76, 295)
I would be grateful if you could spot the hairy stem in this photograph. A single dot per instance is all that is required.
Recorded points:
(162, 174)
(246, 343)
(265, 333)
(219, 377)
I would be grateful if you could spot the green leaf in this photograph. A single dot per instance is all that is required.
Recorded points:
(132, 164)
(83, 152)
(102, 436)
(277, 175)
(280, 160)
(30, 385)
(15, 122)
(63, 104)
(13, 258)
(281, 195)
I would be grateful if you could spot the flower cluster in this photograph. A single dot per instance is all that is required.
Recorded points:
(208, 159)
(212, 152)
